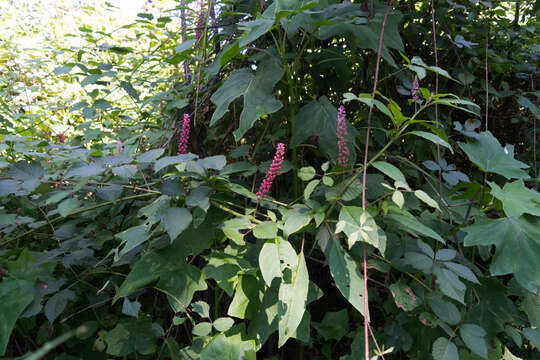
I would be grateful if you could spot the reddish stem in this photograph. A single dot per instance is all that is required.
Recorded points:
(377, 67)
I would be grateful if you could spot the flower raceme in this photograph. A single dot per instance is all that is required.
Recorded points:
(343, 150)
(272, 172)
(184, 136)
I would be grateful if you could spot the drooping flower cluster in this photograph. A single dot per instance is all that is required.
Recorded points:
(119, 146)
(272, 172)
(343, 150)
(184, 136)
(415, 89)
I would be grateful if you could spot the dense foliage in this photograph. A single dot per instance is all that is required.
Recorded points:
(133, 222)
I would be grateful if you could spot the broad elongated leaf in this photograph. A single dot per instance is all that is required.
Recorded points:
(16, 295)
(433, 138)
(444, 349)
(293, 299)
(415, 227)
(269, 262)
(486, 152)
(257, 90)
(474, 337)
(172, 275)
(347, 275)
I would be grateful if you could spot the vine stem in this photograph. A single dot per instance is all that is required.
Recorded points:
(487, 112)
(434, 30)
(364, 171)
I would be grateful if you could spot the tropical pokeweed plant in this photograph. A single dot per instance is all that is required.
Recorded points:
(290, 180)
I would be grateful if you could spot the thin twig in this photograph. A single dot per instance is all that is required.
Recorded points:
(434, 30)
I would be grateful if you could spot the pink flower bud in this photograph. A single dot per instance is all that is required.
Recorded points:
(184, 136)
(272, 172)
(343, 150)
(62, 138)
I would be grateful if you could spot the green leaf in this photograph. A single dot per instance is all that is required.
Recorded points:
(296, 219)
(257, 90)
(433, 138)
(217, 162)
(532, 335)
(444, 349)
(90, 79)
(175, 221)
(150, 156)
(415, 227)
(450, 284)
(445, 310)
(531, 306)
(231, 228)
(131, 308)
(245, 303)
(390, 171)
(486, 152)
(186, 45)
(84, 170)
(514, 239)
(170, 273)
(222, 347)
(67, 206)
(334, 325)
(398, 199)
(199, 197)
(254, 30)
(426, 199)
(293, 298)
(306, 173)
(347, 275)
(128, 87)
(57, 303)
(202, 329)
(223, 324)
(516, 198)
(125, 171)
(61, 70)
(202, 308)
(16, 295)
(269, 262)
(474, 337)
(131, 238)
(523, 101)
(129, 336)
(404, 297)
(265, 230)
(310, 187)
(359, 225)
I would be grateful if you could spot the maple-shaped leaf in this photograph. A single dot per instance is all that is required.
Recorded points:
(518, 247)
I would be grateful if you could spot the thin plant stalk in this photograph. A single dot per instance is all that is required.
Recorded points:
(366, 150)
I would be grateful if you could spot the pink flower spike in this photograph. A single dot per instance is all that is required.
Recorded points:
(184, 136)
(62, 138)
(272, 172)
(119, 146)
(343, 149)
